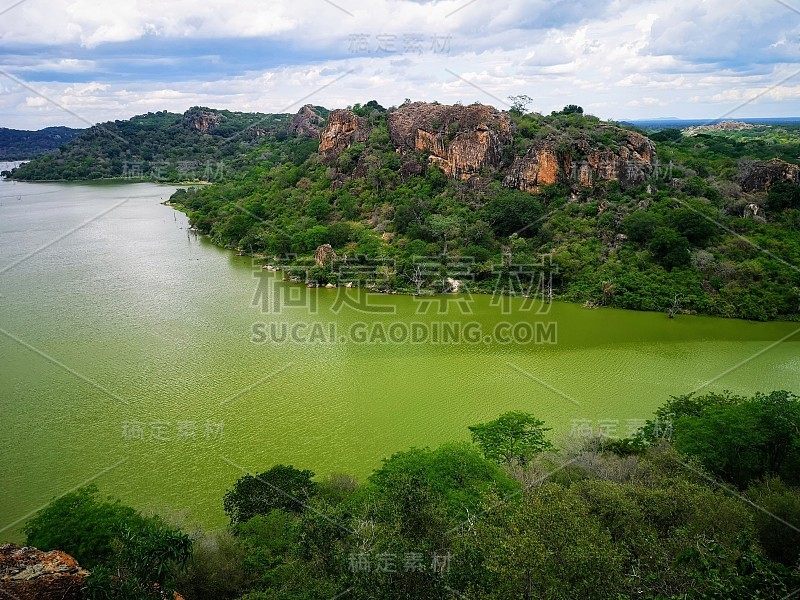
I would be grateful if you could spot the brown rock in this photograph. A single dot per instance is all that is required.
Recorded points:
(461, 140)
(201, 120)
(324, 254)
(556, 160)
(342, 130)
(30, 574)
(760, 176)
(307, 123)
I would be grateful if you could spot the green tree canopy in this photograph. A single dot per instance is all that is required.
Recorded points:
(670, 248)
(282, 487)
(512, 437)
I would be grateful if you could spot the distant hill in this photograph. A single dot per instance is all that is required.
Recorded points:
(201, 143)
(671, 122)
(18, 144)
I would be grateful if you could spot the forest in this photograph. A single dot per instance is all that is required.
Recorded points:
(17, 144)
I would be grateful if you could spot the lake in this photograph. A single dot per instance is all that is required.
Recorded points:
(138, 356)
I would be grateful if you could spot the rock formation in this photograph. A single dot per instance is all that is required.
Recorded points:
(581, 161)
(723, 126)
(201, 120)
(461, 140)
(759, 176)
(342, 130)
(30, 574)
(324, 254)
(464, 140)
(307, 123)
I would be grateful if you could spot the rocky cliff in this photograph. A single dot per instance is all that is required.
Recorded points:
(201, 120)
(631, 160)
(461, 140)
(343, 129)
(30, 574)
(760, 176)
(307, 123)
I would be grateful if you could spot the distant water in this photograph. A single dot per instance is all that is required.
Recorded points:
(7, 166)
(683, 123)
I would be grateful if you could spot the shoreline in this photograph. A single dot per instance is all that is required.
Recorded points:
(296, 280)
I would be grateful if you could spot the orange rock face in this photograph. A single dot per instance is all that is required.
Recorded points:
(461, 140)
(580, 161)
(30, 574)
(342, 130)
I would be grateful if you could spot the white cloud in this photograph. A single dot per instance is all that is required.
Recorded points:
(619, 59)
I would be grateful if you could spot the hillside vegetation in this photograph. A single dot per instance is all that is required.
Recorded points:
(197, 145)
(707, 224)
(17, 144)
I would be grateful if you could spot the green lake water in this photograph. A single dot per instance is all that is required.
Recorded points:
(127, 358)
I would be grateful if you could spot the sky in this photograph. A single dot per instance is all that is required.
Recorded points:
(78, 62)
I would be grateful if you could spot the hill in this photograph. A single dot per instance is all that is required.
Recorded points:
(199, 144)
(703, 224)
(417, 195)
(17, 144)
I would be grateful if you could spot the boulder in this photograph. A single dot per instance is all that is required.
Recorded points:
(760, 176)
(580, 161)
(30, 574)
(343, 129)
(202, 120)
(324, 254)
(307, 123)
(460, 140)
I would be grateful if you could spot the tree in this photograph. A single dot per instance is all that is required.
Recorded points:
(694, 226)
(671, 134)
(81, 524)
(640, 226)
(783, 194)
(519, 104)
(736, 438)
(569, 109)
(131, 556)
(545, 545)
(780, 542)
(512, 437)
(445, 227)
(145, 564)
(670, 248)
(513, 211)
(282, 487)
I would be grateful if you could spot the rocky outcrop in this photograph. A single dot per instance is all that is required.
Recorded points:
(760, 176)
(201, 120)
(30, 574)
(324, 254)
(582, 161)
(307, 123)
(343, 129)
(461, 140)
(723, 126)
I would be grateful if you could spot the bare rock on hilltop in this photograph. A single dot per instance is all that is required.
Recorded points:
(343, 129)
(461, 140)
(307, 123)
